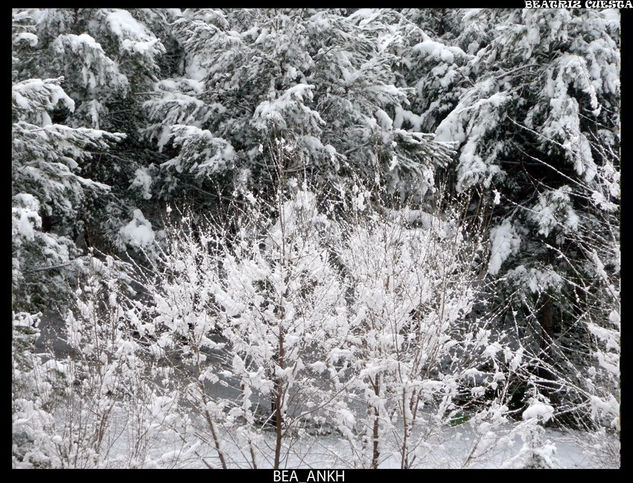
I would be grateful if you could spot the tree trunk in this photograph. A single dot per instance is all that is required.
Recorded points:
(547, 334)
(376, 429)
(277, 402)
(547, 324)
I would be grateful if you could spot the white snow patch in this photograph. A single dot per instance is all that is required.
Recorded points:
(538, 410)
(137, 232)
(143, 181)
(504, 242)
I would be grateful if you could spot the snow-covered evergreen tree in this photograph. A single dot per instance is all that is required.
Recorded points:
(48, 191)
(538, 133)
(321, 80)
(108, 60)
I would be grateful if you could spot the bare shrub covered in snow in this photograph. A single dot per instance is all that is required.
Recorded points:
(99, 406)
(302, 324)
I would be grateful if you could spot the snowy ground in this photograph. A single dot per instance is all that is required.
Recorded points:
(448, 450)
(453, 447)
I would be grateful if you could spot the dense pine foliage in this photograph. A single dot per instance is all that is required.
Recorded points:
(243, 234)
